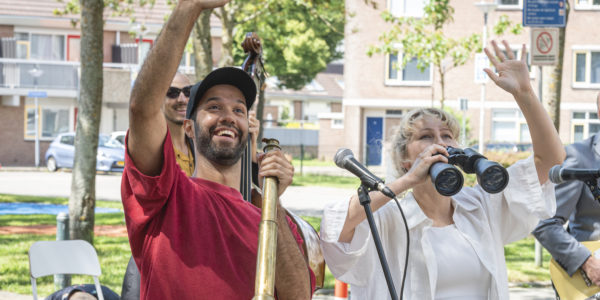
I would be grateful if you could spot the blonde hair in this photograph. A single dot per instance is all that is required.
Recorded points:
(404, 132)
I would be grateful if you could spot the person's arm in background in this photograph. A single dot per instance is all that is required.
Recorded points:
(563, 247)
(147, 124)
(512, 76)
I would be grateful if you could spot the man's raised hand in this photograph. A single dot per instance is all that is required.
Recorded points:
(208, 4)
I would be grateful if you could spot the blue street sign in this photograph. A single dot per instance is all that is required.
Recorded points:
(544, 13)
(37, 94)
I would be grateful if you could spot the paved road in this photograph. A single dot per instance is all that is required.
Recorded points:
(108, 187)
(301, 200)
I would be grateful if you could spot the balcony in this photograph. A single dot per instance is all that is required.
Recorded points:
(59, 78)
(18, 74)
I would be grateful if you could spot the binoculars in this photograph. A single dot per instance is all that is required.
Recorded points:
(448, 180)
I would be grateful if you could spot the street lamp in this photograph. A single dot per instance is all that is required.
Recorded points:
(485, 8)
(35, 73)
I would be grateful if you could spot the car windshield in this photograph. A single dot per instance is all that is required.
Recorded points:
(105, 141)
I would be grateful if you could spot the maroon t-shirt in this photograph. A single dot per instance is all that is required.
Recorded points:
(191, 238)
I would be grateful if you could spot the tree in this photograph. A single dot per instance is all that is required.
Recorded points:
(82, 200)
(202, 43)
(423, 39)
(552, 77)
(299, 38)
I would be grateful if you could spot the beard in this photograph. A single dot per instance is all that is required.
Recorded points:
(172, 116)
(226, 156)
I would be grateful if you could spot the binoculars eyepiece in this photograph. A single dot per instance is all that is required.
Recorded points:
(448, 180)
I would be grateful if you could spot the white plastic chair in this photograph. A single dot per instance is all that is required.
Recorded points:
(63, 257)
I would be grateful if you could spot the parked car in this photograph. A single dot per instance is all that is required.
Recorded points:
(61, 153)
(119, 136)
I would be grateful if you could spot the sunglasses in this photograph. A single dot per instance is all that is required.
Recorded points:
(173, 92)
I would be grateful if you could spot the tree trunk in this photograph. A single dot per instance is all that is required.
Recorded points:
(552, 80)
(228, 22)
(83, 185)
(202, 42)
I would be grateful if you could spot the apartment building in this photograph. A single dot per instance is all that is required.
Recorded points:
(39, 52)
(377, 94)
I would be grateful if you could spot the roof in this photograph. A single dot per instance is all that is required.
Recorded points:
(328, 84)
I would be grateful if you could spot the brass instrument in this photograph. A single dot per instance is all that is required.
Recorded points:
(265, 279)
(264, 286)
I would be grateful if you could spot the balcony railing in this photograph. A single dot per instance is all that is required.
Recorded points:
(55, 75)
(19, 73)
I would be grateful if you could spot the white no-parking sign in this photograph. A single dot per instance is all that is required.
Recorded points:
(544, 46)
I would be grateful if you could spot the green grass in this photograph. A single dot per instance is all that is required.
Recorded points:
(14, 264)
(325, 180)
(520, 258)
(114, 252)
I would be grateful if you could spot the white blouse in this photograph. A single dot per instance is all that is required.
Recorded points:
(486, 221)
(461, 274)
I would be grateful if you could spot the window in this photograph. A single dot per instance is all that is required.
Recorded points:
(337, 123)
(40, 46)
(509, 4)
(67, 140)
(52, 121)
(509, 125)
(187, 62)
(22, 45)
(409, 75)
(583, 125)
(587, 4)
(47, 47)
(407, 8)
(586, 71)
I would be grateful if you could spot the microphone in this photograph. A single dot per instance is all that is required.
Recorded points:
(558, 175)
(344, 158)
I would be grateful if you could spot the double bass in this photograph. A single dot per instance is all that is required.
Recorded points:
(254, 66)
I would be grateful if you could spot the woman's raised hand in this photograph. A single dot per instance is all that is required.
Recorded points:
(513, 74)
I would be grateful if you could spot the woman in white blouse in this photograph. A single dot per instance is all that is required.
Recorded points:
(456, 243)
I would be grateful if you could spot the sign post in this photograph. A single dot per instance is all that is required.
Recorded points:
(36, 95)
(544, 46)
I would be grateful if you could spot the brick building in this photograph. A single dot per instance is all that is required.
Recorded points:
(376, 94)
(34, 41)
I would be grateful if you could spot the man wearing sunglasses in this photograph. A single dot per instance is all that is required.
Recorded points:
(174, 109)
(195, 237)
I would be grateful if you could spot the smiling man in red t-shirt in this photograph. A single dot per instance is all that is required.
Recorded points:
(195, 237)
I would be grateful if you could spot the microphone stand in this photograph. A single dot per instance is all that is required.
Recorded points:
(365, 201)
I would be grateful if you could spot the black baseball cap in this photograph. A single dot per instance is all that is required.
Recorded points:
(227, 75)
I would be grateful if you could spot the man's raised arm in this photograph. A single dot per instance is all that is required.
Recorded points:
(147, 126)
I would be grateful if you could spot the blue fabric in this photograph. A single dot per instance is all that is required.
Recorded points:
(28, 208)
